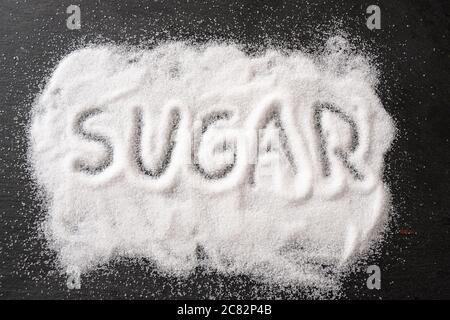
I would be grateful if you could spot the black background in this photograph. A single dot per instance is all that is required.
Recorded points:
(410, 49)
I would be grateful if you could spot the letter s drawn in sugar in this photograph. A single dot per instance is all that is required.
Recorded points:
(82, 132)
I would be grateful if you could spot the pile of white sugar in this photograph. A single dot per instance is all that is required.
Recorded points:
(267, 165)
